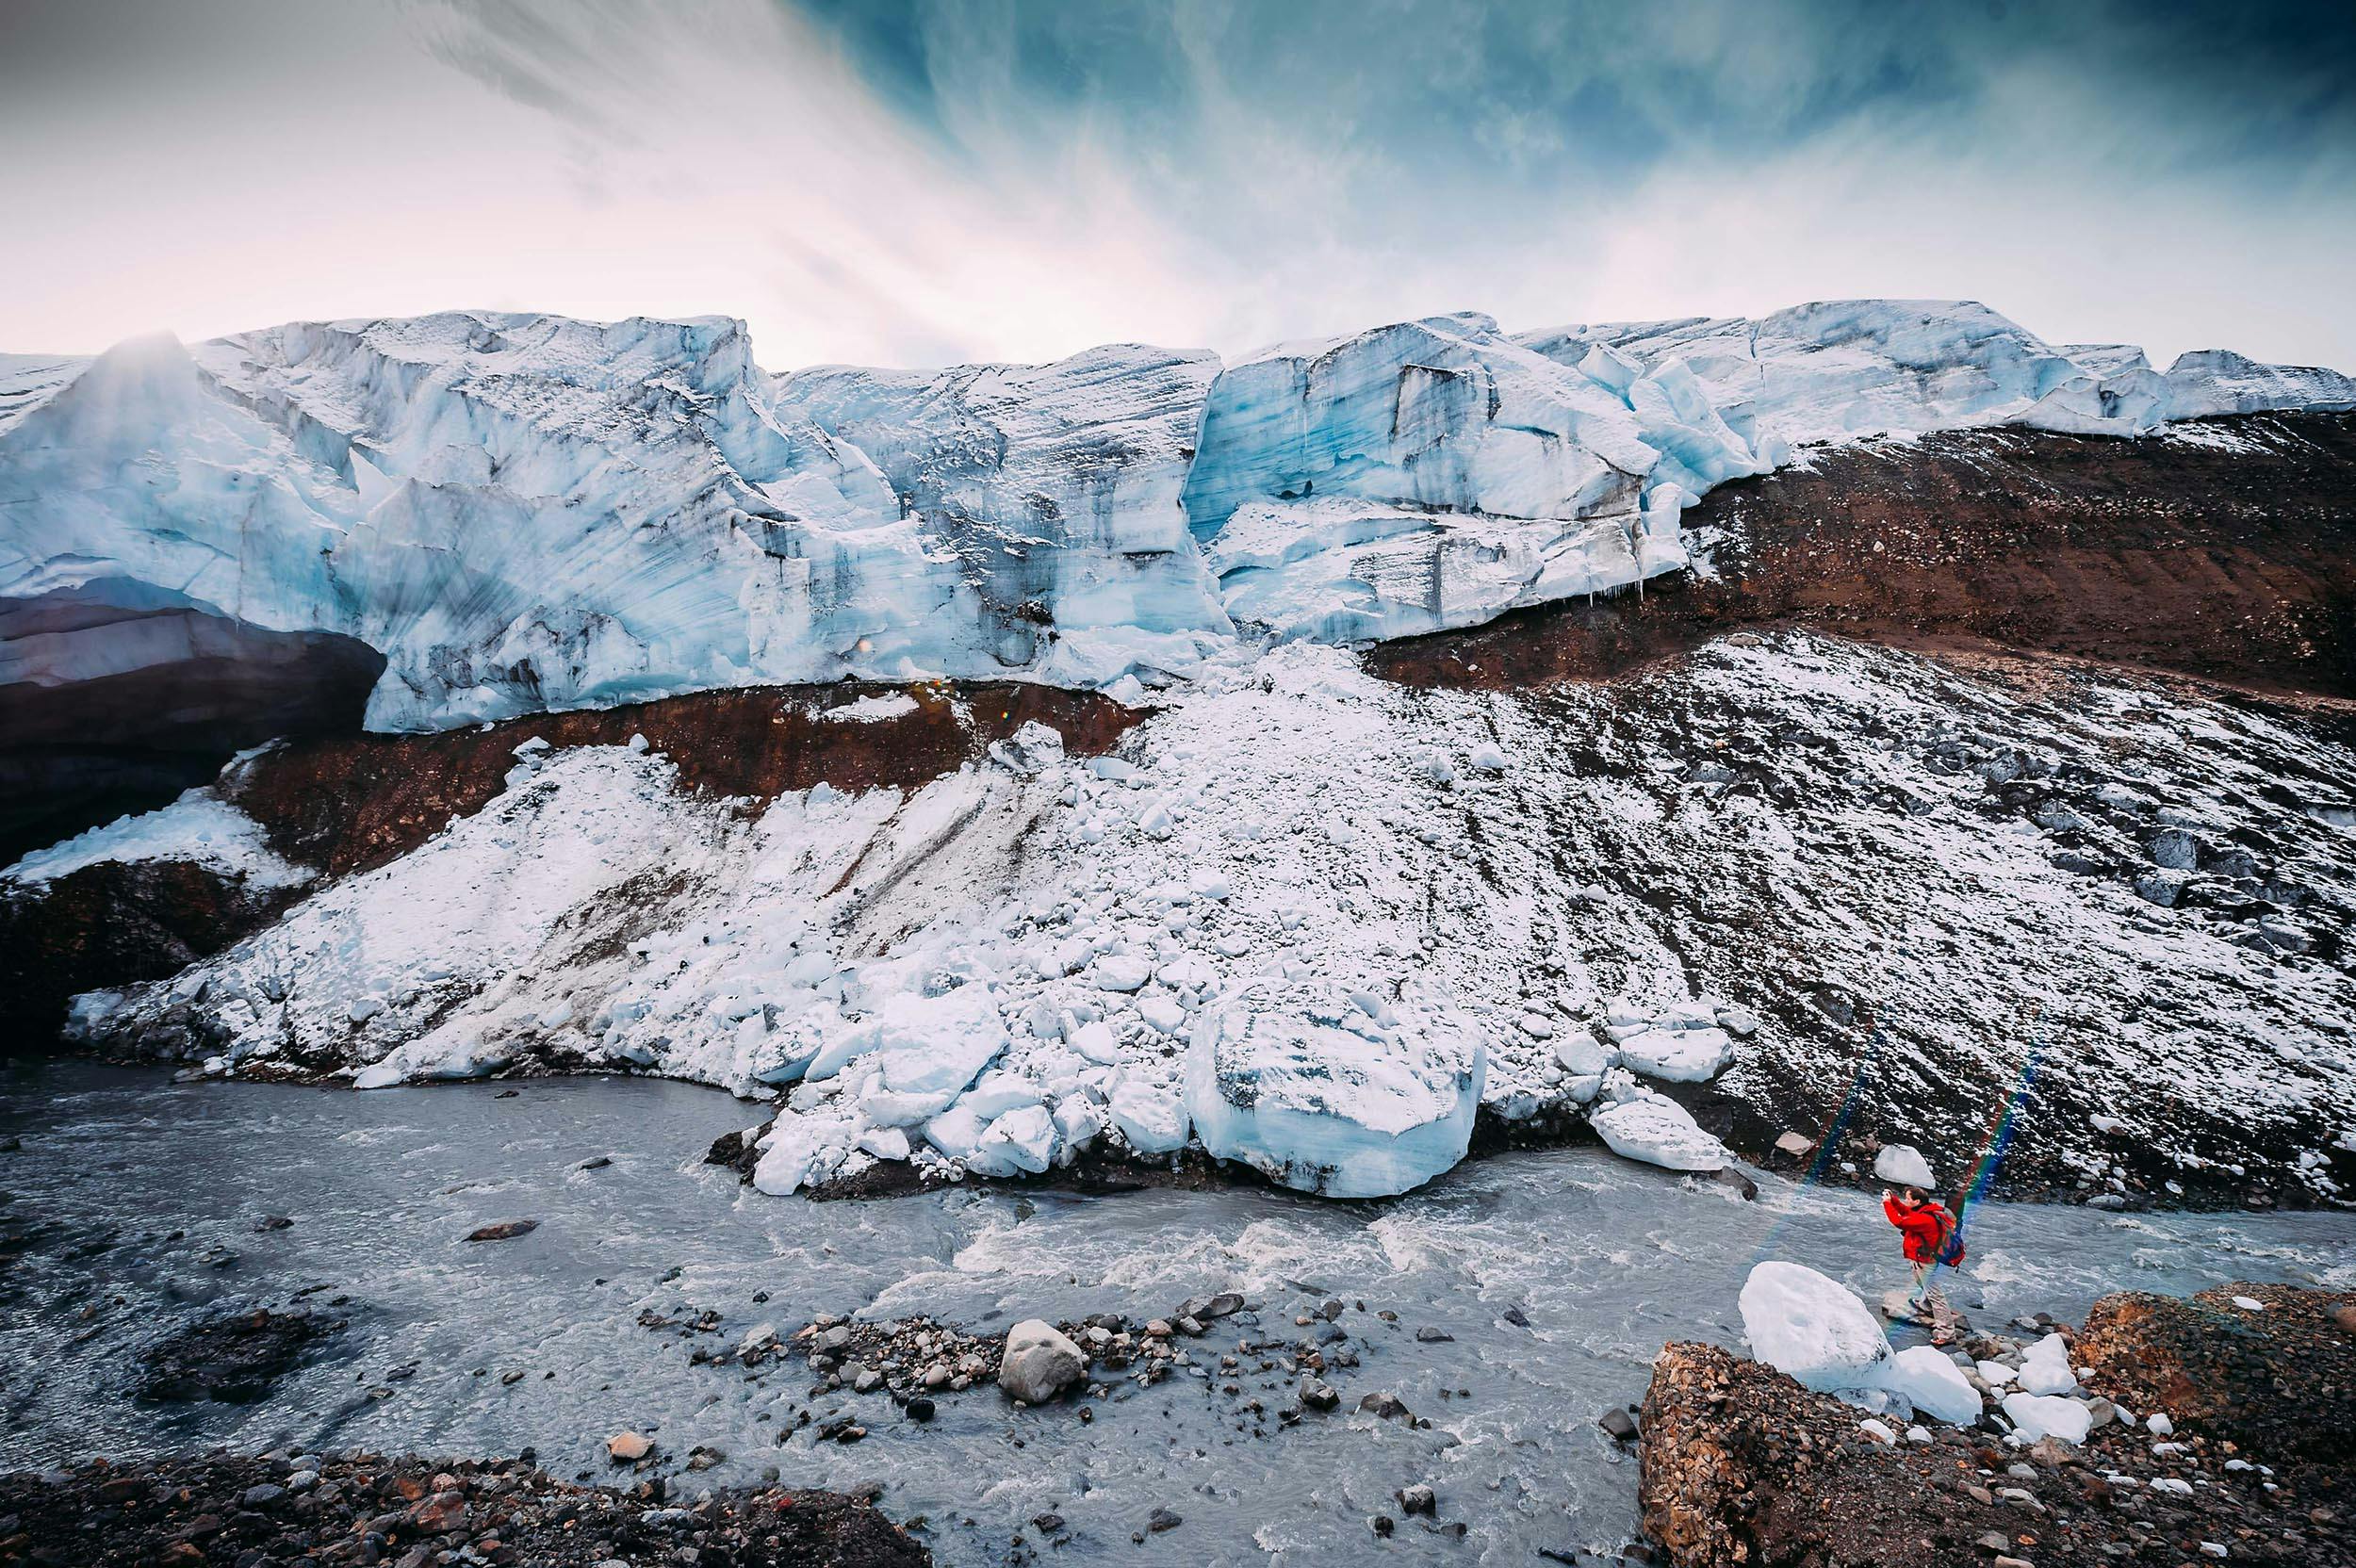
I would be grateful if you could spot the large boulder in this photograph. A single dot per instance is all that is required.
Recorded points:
(1813, 1329)
(1041, 1361)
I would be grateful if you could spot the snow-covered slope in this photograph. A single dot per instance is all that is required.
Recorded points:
(1311, 921)
(525, 511)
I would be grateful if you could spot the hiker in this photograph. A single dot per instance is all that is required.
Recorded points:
(1932, 1237)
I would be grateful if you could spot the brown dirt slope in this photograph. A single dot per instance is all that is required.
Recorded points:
(2228, 556)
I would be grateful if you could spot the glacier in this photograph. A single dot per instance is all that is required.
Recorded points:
(524, 512)
(1273, 926)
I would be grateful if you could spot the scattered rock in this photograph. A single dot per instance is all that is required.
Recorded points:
(504, 1230)
(234, 1360)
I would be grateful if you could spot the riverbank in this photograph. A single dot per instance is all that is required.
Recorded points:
(362, 1507)
(1527, 1294)
(2214, 1431)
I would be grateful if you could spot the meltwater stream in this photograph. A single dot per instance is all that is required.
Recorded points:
(123, 1190)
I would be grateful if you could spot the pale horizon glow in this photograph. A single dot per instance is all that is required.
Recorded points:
(941, 184)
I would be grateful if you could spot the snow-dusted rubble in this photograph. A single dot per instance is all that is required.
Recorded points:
(200, 826)
(1308, 919)
(526, 512)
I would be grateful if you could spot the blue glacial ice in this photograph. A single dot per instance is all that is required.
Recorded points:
(1335, 1092)
(526, 512)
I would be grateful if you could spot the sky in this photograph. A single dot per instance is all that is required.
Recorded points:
(923, 182)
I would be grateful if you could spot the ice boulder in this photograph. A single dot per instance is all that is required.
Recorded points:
(2045, 1367)
(1934, 1385)
(804, 1149)
(1150, 1120)
(1658, 1131)
(1020, 1142)
(927, 1050)
(2036, 1415)
(1813, 1329)
(1679, 1055)
(1904, 1164)
(1316, 1094)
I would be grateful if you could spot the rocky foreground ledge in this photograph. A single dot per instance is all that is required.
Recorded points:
(409, 1512)
(2239, 1450)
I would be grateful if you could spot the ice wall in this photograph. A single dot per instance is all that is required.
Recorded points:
(525, 511)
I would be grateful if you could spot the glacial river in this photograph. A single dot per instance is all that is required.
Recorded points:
(126, 1197)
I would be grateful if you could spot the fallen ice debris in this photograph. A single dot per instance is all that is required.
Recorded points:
(1352, 1111)
(1904, 1164)
(2035, 1415)
(1933, 1384)
(2045, 1367)
(1649, 1126)
(1813, 1329)
(1689, 1056)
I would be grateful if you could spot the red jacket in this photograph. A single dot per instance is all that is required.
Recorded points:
(1924, 1229)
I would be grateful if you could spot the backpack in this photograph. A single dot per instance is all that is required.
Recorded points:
(1948, 1251)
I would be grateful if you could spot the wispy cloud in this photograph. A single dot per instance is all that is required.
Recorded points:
(912, 181)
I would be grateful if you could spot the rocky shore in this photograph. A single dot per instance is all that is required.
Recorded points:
(357, 1508)
(2213, 1433)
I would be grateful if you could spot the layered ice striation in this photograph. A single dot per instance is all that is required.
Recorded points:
(1055, 487)
(1435, 473)
(1840, 370)
(525, 511)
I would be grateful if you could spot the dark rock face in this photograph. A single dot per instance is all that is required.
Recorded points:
(114, 699)
(234, 1360)
(110, 925)
(225, 1510)
(1742, 1465)
(2229, 555)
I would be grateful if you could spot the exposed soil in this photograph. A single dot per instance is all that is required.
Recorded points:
(356, 802)
(367, 1508)
(1743, 1465)
(2234, 561)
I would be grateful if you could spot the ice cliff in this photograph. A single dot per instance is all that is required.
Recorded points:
(524, 512)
